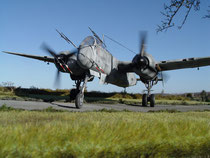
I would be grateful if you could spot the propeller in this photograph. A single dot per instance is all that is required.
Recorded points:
(59, 62)
(57, 79)
(52, 53)
(143, 36)
(140, 60)
(48, 50)
(164, 77)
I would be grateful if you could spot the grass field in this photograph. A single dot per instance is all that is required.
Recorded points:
(103, 134)
(91, 97)
(48, 95)
(138, 101)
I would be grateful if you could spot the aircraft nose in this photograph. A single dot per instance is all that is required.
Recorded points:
(84, 58)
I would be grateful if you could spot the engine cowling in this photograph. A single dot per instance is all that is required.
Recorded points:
(145, 67)
(68, 59)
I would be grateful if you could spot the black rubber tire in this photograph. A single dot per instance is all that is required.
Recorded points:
(73, 94)
(144, 100)
(152, 100)
(79, 100)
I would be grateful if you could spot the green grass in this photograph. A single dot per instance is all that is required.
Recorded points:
(103, 134)
(138, 101)
(181, 102)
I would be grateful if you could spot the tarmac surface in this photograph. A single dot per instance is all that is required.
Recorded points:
(35, 105)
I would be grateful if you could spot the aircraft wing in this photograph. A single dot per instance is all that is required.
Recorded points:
(183, 63)
(42, 58)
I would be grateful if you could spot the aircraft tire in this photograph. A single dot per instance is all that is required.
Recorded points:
(152, 100)
(79, 100)
(73, 94)
(144, 100)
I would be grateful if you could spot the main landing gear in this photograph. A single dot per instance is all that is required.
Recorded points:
(78, 93)
(148, 97)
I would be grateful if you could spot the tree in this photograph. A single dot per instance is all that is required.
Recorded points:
(189, 95)
(7, 84)
(171, 10)
(203, 95)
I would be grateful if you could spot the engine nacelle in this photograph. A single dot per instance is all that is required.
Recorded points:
(70, 61)
(145, 66)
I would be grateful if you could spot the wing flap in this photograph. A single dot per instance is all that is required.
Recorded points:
(42, 58)
(183, 63)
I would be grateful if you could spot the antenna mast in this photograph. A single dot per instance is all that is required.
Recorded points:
(66, 39)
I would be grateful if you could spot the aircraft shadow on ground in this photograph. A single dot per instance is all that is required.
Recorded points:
(136, 105)
(63, 106)
(61, 95)
(41, 94)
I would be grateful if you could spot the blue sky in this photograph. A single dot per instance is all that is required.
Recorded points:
(25, 25)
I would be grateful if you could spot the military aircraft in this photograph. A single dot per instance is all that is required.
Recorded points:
(92, 59)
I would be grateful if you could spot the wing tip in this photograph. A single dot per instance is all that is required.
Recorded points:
(6, 52)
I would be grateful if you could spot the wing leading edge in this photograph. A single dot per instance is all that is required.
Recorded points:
(183, 63)
(42, 58)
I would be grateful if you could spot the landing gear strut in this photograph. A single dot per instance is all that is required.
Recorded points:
(78, 93)
(148, 97)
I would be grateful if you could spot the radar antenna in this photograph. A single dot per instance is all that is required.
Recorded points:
(66, 39)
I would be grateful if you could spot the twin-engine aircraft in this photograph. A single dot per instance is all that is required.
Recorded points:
(92, 59)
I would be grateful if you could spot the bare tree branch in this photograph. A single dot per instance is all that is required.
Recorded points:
(178, 6)
(171, 10)
(185, 18)
(208, 14)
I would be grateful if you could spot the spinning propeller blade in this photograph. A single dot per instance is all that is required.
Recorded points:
(57, 79)
(58, 61)
(48, 50)
(143, 36)
(51, 52)
(164, 77)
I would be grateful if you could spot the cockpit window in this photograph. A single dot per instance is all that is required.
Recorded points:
(88, 41)
(99, 43)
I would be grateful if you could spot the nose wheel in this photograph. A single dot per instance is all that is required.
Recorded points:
(78, 93)
(148, 97)
(79, 100)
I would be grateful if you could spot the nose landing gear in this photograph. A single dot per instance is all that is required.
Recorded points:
(148, 97)
(78, 93)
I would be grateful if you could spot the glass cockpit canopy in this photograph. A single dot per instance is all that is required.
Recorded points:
(90, 41)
